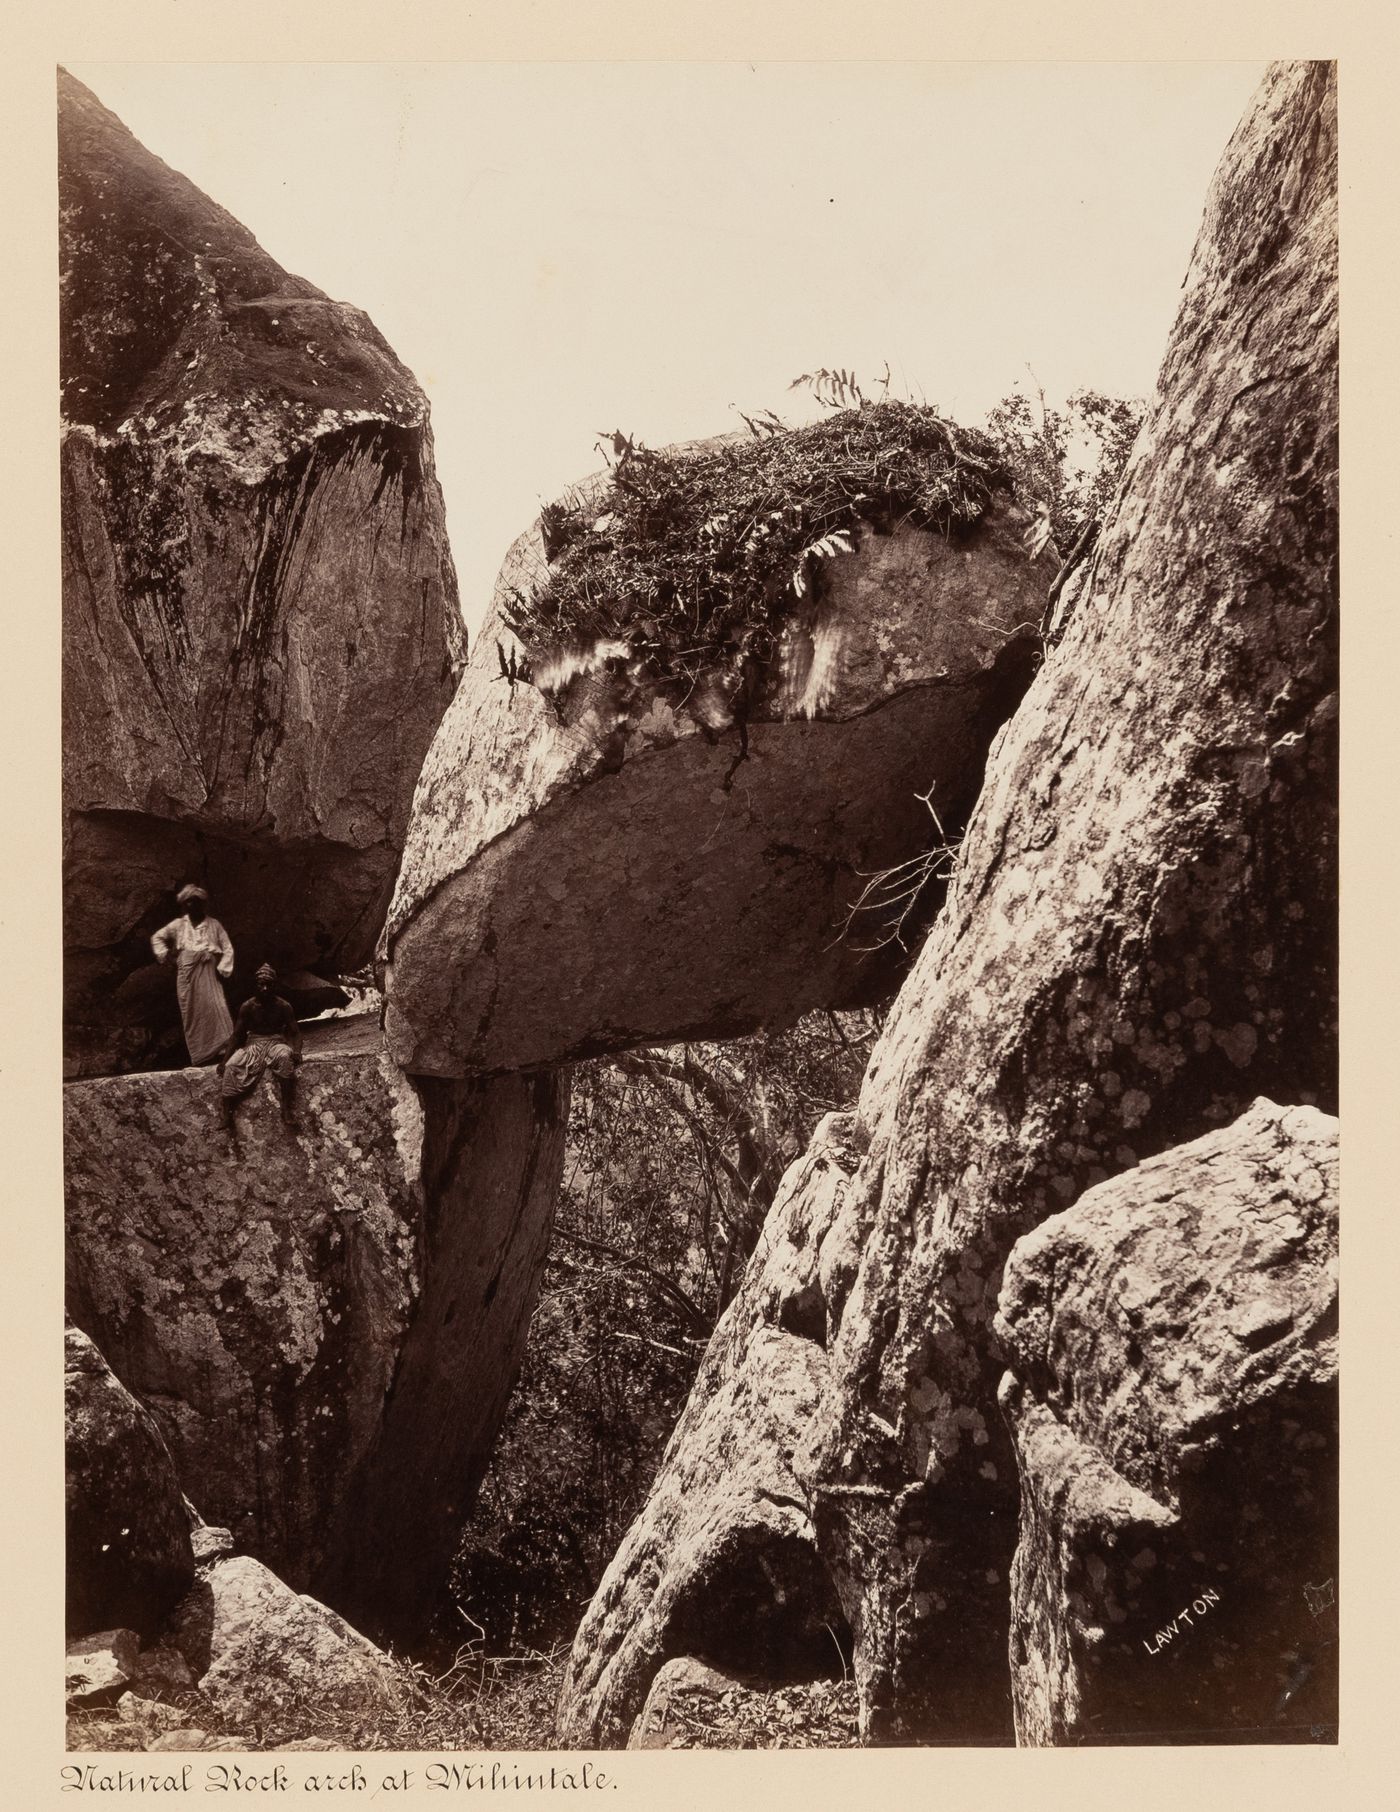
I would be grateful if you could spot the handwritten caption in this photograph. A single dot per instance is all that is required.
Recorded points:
(283, 1777)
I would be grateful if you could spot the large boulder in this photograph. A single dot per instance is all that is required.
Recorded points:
(1172, 1394)
(260, 622)
(1138, 940)
(127, 1534)
(298, 1310)
(599, 861)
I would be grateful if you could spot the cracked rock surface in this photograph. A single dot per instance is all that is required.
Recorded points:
(260, 622)
(264, 1303)
(1139, 941)
(127, 1536)
(605, 870)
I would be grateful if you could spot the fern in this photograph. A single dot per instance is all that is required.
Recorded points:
(838, 542)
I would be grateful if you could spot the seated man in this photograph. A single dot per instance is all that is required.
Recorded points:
(265, 1036)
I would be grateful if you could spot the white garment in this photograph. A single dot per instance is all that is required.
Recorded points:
(181, 937)
(198, 951)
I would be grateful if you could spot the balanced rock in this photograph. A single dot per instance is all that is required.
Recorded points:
(1137, 943)
(263, 1299)
(260, 623)
(606, 863)
(1172, 1394)
(254, 1644)
(127, 1536)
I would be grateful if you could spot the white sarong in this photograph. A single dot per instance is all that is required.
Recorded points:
(202, 954)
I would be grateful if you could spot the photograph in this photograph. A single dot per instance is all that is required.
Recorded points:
(700, 881)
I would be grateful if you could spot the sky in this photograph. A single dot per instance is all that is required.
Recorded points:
(558, 250)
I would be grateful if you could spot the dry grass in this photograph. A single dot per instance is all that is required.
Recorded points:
(490, 1703)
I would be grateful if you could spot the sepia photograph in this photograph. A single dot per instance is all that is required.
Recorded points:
(700, 716)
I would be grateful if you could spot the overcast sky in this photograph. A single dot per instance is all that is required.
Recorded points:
(561, 249)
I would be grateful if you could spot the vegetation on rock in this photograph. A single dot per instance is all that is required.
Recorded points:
(692, 558)
(1066, 462)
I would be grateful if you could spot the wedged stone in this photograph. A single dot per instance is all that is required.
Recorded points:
(722, 1564)
(97, 1669)
(1172, 1394)
(263, 1299)
(260, 617)
(602, 869)
(253, 1643)
(128, 1555)
(211, 1543)
(1138, 942)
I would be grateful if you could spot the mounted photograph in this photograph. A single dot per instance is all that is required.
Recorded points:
(700, 884)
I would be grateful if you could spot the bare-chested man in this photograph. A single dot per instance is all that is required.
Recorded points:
(265, 1036)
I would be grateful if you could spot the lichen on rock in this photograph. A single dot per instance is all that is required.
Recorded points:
(1172, 1350)
(1138, 941)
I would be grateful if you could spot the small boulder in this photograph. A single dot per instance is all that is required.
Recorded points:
(691, 1706)
(683, 1680)
(210, 1543)
(181, 1742)
(129, 1555)
(98, 1669)
(255, 1644)
(152, 1715)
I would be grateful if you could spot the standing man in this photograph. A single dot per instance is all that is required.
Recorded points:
(199, 947)
(265, 1036)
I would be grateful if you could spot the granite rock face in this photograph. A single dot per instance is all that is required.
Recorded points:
(1172, 1394)
(600, 868)
(284, 1307)
(260, 624)
(1139, 940)
(722, 1565)
(127, 1533)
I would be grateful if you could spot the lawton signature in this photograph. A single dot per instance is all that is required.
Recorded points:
(1165, 1637)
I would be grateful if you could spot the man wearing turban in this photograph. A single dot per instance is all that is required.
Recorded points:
(199, 947)
(265, 1036)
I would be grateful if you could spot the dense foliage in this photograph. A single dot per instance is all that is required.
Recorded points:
(674, 1157)
(1066, 462)
(691, 559)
